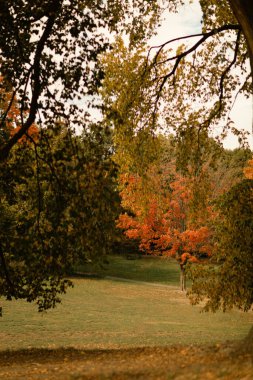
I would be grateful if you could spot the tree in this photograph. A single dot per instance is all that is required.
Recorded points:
(193, 94)
(56, 23)
(229, 169)
(222, 284)
(56, 209)
(202, 95)
(243, 12)
(228, 282)
(39, 42)
(126, 99)
(49, 50)
(161, 212)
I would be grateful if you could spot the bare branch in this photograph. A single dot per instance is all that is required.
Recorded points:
(178, 58)
(204, 37)
(225, 72)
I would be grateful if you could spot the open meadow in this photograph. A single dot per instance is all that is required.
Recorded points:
(141, 328)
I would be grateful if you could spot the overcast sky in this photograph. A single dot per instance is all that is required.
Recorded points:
(187, 21)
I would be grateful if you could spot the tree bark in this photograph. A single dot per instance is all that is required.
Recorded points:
(243, 11)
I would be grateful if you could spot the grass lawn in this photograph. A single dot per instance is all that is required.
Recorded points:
(149, 269)
(107, 314)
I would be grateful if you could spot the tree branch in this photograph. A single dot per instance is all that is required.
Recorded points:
(37, 87)
(8, 109)
(225, 72)
(178, 58)
(6, 273)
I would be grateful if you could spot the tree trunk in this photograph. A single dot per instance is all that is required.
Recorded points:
(182, 278)
(248, 342)
(243, 11)
(245, 346)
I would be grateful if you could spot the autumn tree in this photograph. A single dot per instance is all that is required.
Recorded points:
(168, 230)
(180, 82)
(127, 107)
(161, 212)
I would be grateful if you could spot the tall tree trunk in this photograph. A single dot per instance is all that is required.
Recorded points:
(243, 11)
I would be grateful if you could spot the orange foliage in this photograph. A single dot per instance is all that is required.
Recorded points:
(9, 105)
(187, 257)
(161, 218)
(33, 132)
(248, 171)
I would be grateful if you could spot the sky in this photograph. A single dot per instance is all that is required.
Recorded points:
(186, 22)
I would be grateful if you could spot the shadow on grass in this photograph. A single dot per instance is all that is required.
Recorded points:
(171, 362)
(88, 275)
(71, 353)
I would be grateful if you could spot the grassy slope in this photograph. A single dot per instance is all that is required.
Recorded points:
(102, 313)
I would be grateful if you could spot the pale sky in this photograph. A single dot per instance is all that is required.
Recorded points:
(186, 22)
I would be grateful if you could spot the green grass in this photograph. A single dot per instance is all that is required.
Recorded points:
(103, 313)
(148, 269)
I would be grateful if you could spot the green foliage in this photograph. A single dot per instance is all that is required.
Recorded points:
(228, 169)
(229, 281)
(128, 106)
(54, 212)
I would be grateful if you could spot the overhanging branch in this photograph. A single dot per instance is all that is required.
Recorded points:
(178, 57)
